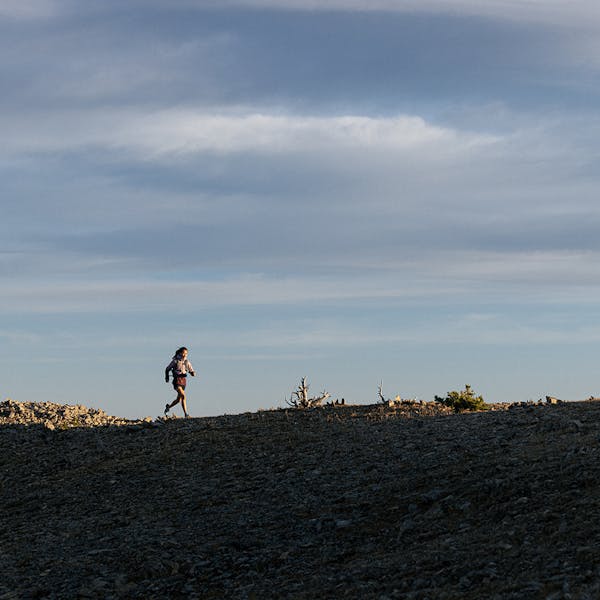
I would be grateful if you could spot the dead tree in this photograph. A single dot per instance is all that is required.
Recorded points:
(300, 399)
(388, 401)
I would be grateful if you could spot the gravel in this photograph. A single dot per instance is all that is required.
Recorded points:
(407, 501)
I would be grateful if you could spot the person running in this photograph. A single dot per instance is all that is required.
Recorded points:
(180, 366)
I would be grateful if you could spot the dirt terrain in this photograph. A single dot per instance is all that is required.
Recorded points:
(374, 501)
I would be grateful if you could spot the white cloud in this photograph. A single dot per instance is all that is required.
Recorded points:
(541, 277)
(186, 132)
(383, 192)
(107, 296)
(556, 269)
(547, 11)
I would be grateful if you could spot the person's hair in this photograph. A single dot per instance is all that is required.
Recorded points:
(180, 350)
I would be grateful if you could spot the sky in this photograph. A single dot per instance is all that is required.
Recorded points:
(362, 192)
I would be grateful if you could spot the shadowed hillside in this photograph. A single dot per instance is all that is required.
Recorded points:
(350, 501)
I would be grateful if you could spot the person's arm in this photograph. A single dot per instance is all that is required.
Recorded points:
(191, 369)
(167, 371)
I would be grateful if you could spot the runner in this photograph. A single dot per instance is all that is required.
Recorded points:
(180, 366)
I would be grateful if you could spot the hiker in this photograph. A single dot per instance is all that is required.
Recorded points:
(180, 366)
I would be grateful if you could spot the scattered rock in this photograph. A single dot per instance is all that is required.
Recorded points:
(56, 416)
(407, 501)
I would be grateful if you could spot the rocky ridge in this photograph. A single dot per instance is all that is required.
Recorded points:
(406, 501)
(52, 415)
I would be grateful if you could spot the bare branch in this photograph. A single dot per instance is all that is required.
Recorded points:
(301, 399)
(380, 393)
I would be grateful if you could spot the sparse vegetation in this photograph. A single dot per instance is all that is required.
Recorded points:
(299, 398)
(465, 400)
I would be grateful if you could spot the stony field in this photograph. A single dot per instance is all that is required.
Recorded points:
(340, 502)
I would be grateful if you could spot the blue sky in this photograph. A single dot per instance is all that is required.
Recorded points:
(356, 191)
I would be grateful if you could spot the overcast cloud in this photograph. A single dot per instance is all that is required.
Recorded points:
(349, 190)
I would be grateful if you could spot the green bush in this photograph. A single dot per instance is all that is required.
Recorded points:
(463, 400)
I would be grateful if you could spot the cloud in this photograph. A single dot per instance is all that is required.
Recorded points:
(270, 188)
(127, 55)
(550, 277)
(545, 11)
(28, 9)
(185, 132)
(259, 192)
(555, 11)
(110, 296)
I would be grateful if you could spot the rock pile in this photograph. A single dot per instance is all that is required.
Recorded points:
(54, 416)
(409, 502)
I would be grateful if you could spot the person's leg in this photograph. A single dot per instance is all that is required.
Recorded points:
(183, 404)
(180, 397)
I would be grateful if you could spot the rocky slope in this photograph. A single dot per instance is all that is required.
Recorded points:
(340, 502)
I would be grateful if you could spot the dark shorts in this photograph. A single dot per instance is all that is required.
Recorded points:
(179, 381)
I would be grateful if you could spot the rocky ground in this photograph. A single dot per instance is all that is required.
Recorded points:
(340, 502)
